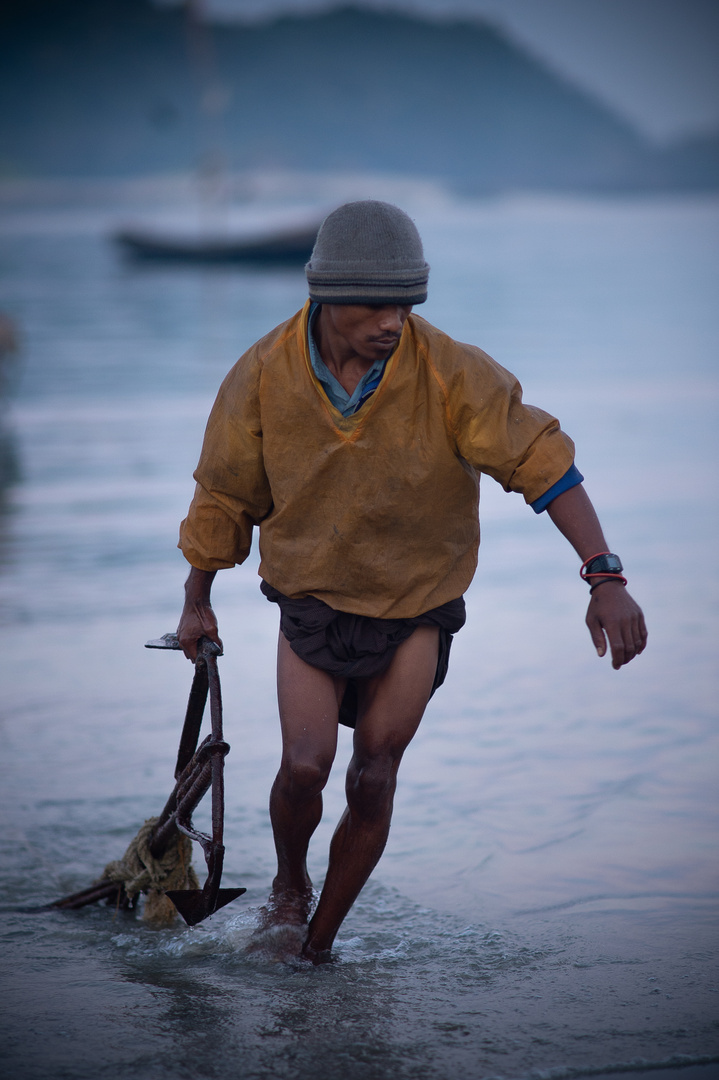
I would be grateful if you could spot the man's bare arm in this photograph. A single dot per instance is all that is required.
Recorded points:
(197, 619)
(612, 611)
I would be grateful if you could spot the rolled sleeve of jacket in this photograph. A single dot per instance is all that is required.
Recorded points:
(232, 493)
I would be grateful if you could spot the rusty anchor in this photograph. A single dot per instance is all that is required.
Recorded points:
(198, 768)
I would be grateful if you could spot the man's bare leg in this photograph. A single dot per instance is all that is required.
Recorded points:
(309, 705)
(390, 709)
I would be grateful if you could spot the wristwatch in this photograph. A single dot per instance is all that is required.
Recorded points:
(604, 564)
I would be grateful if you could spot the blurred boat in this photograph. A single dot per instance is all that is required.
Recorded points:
(287, 240)
(289, 244)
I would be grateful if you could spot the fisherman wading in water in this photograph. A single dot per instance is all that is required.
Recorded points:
(354, 436)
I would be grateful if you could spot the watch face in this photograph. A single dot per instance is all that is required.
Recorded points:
(608, 564)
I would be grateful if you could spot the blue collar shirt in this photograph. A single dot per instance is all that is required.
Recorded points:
(347, 404)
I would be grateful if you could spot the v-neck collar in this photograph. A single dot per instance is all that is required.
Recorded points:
(346, 425)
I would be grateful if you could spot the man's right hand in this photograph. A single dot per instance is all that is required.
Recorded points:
(197, 619)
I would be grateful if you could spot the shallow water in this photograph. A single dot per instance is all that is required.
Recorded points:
(547, 901)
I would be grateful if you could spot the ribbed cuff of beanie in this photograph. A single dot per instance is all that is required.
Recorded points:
(368, 288)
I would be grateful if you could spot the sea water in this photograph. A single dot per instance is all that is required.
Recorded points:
(546, 905)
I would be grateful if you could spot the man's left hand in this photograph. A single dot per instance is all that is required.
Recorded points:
(614, 616)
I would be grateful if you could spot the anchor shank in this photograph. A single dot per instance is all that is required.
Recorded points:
(193, 717)
(218, 762)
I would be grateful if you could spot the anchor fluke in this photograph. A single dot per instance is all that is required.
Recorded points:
(193, 904)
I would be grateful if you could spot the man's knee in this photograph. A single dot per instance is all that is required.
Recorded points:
(303, 778)
(371, 784)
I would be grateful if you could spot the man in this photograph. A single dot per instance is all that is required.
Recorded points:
(354, 435)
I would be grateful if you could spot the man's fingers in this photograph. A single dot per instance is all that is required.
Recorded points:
(595, 629)
(626, 641)
(634, 639)
(197, 621)
(620, 654)
(641, 633)
(190, 644)
(614, 616)
(189, 647)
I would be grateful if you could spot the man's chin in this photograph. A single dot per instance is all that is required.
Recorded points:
(377, 350)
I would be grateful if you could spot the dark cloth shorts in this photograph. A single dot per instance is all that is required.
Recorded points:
(356, 646)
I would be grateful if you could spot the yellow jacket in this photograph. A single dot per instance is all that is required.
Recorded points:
(376, 513)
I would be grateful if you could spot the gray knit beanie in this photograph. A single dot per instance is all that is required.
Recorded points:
(367, 253)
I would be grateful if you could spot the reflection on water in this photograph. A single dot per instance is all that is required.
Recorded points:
(546, 899)
(9, 348)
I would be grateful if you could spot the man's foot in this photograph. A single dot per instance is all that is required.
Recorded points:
(282, 926)
(288, 907)
(316, 956)
(280, 943)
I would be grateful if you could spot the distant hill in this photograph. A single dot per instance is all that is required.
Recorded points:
(120, 88)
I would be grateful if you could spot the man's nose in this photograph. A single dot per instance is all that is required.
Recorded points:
(391, 319)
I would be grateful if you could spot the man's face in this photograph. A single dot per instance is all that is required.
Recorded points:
(370, 331)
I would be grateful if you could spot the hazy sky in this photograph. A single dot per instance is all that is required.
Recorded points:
(654, 60)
